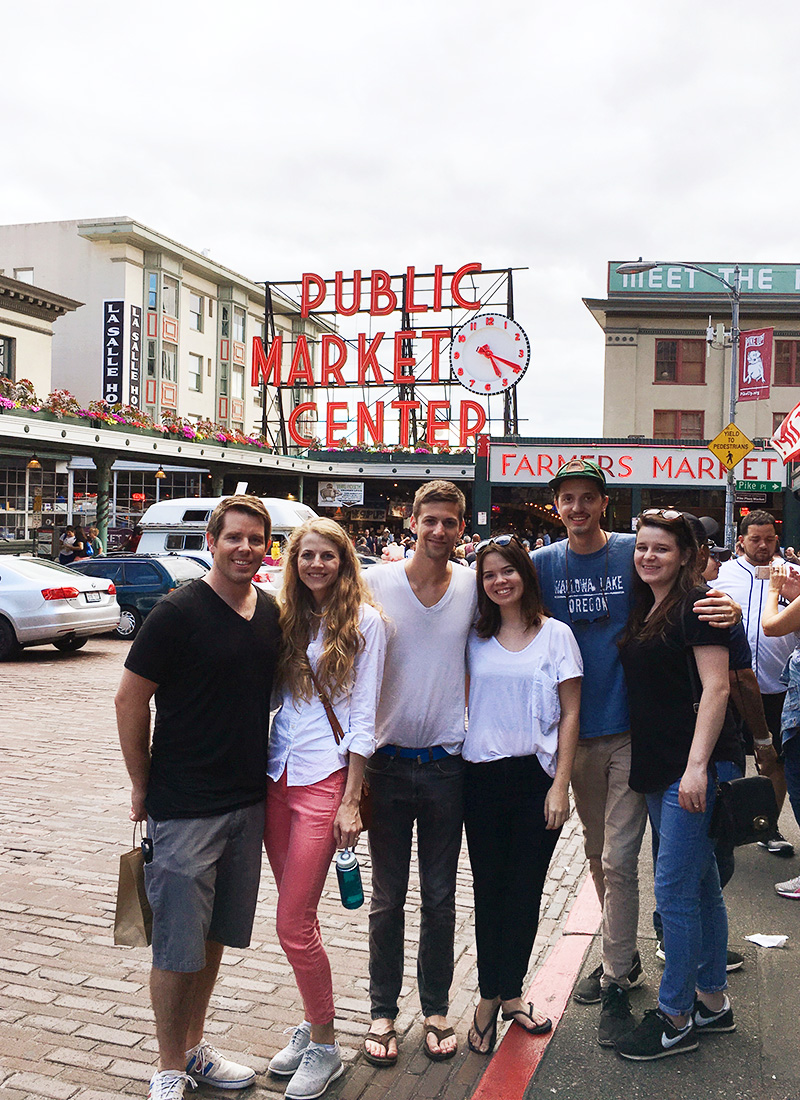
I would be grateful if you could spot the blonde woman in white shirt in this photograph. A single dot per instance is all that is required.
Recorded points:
(525, 674)
(334, 643)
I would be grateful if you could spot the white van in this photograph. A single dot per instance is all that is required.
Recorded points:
(180, 524)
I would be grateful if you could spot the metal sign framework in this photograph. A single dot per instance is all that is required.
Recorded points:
(497, 296)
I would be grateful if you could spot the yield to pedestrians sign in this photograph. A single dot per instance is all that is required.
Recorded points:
(731, 446)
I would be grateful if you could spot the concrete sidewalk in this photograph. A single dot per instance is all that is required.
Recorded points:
(75, 1020)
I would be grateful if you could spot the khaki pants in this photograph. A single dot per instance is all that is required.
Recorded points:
(613, 818)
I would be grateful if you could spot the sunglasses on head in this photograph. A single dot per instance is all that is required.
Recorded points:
(498, 540)
(662, 513)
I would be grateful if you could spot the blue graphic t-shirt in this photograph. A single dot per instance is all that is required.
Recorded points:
(591, 593)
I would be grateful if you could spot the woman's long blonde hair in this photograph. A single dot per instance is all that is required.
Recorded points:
(343, 639)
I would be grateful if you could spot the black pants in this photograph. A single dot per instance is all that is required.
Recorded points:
(510, 851)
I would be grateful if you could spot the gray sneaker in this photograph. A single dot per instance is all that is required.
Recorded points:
(287, 1060)
(318, 1068)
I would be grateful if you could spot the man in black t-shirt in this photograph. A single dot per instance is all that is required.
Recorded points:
(207, 652)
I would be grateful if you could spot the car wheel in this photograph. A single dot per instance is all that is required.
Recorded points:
(69, 645)
(129, 622)
(9, 646)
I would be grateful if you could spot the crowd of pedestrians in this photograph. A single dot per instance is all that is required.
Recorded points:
(602, 662)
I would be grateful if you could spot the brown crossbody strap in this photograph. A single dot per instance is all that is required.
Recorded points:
(336, 725)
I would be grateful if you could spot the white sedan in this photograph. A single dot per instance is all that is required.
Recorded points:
(42, 603)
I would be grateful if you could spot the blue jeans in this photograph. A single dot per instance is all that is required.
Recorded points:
(689, 899)
(432, 794)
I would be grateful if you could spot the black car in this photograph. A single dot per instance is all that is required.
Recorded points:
(141, 581)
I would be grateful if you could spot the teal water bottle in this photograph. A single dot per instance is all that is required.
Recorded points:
(349, 876)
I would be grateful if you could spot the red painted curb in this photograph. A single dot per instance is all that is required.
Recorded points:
(515, 1061)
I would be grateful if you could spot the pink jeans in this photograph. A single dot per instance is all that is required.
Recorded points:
(299, 841)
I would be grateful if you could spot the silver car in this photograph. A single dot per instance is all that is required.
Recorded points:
(42, 602)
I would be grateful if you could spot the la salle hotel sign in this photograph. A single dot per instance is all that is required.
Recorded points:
(410, 356)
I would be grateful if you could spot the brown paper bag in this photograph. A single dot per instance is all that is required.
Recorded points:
(133, 921)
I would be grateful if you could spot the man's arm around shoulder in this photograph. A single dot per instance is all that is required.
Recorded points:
(132, 704)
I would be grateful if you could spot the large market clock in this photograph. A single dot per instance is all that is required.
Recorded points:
(489, 354)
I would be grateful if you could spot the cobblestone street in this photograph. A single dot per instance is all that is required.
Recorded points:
(74, 1010)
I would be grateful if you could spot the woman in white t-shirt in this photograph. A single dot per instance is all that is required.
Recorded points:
(525, 674)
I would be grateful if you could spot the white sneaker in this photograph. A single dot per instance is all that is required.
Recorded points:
(790, 889)
(287, 1060)
(207, 1066)
(168, 1084)
(318, 1068)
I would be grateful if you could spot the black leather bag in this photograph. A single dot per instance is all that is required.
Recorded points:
(745, 811)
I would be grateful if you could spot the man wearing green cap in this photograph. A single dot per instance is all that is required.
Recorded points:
(587, 583)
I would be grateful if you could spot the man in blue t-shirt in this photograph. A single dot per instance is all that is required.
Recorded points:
(587, 583)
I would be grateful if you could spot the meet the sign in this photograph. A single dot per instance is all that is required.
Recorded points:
(674, 279)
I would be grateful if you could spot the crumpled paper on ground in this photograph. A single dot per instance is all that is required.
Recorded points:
(767, 941)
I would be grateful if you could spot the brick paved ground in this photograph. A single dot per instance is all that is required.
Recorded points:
(75, 1019)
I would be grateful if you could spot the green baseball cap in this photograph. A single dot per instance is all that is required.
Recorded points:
(579, 467)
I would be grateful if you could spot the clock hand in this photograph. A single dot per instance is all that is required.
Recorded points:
(486, 352)
(514, 366)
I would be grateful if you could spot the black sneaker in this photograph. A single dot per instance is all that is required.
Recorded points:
(778, 846)
(735, 961)
(657, 1037)
(616, 1018)
(708, 1022)
(589, 990)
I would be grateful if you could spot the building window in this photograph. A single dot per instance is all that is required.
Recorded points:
(677, 424)
(238, 324)
(195, 372)
(169, 363)
(237, 382)
(196, 312)
(777, 420)
(152, 291)
(169, 302)
(681, 362)
(224, 324)
(7, 358)
(223, 379)
(151, 358)
(23, 274)
(787, 363)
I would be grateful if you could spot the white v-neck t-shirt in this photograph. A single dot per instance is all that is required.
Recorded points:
(514, 706)
(422, 696)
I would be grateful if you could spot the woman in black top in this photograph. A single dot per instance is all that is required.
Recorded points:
(676, 670)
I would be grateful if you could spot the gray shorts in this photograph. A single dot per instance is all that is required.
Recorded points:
(202, 884)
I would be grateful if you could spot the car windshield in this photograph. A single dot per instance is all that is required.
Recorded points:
(183, 569)
(33, 568)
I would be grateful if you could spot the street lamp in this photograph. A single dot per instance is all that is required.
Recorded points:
(637, 267)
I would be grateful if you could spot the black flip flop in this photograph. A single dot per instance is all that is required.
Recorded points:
(490, 1027)
(539, 1029)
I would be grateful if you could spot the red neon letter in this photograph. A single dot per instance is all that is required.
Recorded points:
(435, 335)
(368, 358)
(381, 287)
(435, 425)
(437, 288)
(300, 370)
(294, 416)
(399, 378)
(337, 295)
(332, 424)
(327, 368)
(405, 408)
(365, 423)
(454, 287)
(465, 432)
(264, 365)
(411, 307)
(306, 303)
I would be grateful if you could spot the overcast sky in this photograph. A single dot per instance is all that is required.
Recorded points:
(322, 136)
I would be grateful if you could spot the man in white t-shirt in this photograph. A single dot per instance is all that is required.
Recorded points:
(740, 578)
(417, 772)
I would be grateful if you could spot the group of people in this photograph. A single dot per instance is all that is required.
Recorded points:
(600, 661)
(75, 544)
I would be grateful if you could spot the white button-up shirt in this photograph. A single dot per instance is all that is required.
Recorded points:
(302, 742)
